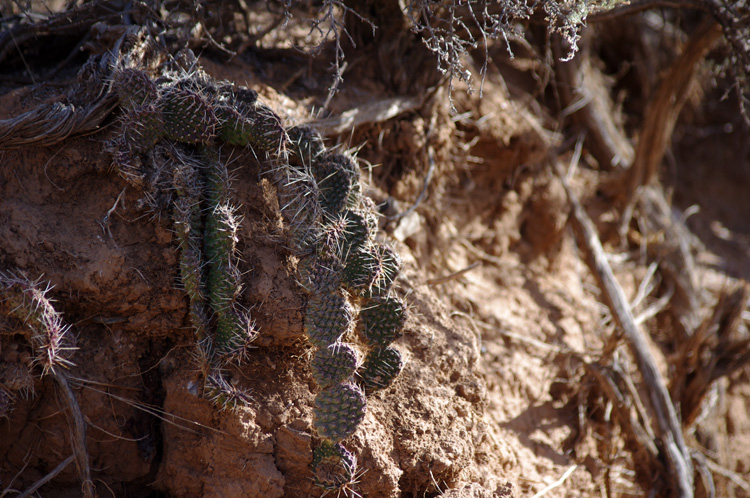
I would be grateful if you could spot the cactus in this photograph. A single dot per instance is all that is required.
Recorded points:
(319, 275)
(126, 162)
(143, 127)
(334, 364)
(344, 234)
(233, 330)
(382, 319)
(371, 271)
(188, 117)
(299, 201)
(334, 467)
(305, 144)
(26, 301)
(329, 317)
(380, 368)
(134, 87)
(338, 411)
(234, 128)
(335, 175)
(224, 394)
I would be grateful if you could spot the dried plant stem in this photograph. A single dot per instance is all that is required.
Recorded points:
(44, 480)
(78, 434)
(668, 427)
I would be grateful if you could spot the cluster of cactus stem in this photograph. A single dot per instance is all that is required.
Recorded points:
(26, 301)
(172, 126)
(352, 316)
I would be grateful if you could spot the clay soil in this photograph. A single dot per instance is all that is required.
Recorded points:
(493, 400)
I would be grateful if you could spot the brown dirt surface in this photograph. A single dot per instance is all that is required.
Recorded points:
(493, 400)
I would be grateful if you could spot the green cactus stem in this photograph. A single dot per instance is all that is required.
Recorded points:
(328, 318)
(188, 117)
(234, 330)
(334, 364)
(338, 411)
(382, 319)
(305, 144)
(380, 368)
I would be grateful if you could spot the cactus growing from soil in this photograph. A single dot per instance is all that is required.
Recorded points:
(332, 229)
(382, 319)
(380, 368)
(334, 467)
(334, 364)
(338, 410)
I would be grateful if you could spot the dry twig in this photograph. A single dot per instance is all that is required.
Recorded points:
(669, 429)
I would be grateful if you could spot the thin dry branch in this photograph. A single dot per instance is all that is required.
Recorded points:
(78, 434)
(374, 112)
(669, 430)
(47, 478)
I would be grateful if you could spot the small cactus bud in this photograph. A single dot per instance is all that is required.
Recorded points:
(338, 411)
(380, 368)
(382, 319)
(328, 318)
(344, 234)
(334, 364)
(335, 175)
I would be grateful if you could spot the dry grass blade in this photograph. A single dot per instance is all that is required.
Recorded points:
(374, 112)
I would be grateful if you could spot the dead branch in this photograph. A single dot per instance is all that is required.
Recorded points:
(664, 107)
(47, 478)
(375, 112)
(587, 99)
(78, 434)
(712, 352)
(670, 434)
(666, 239)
